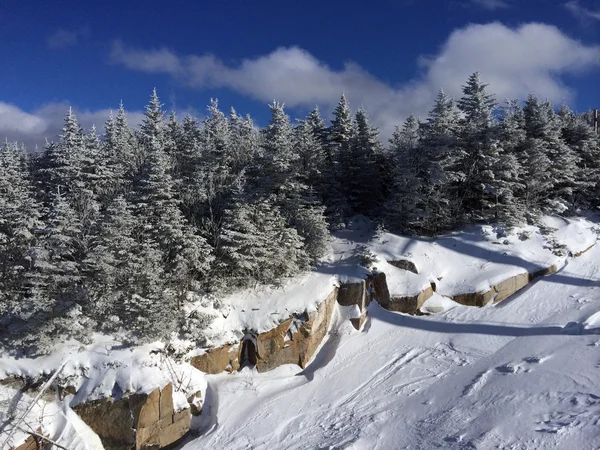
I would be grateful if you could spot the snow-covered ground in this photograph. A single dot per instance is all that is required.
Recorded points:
(522, 374)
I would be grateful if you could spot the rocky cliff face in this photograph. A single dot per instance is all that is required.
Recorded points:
(140, 421)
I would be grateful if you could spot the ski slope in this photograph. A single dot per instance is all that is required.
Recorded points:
(522, 374)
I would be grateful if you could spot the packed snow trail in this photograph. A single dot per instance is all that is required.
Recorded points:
(521, 374)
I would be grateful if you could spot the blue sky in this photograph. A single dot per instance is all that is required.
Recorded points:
(390, 56)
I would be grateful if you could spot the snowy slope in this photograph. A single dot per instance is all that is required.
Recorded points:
(264, 307)
(520, 374)
(478, 257)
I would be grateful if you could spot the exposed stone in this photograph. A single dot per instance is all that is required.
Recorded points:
(409, 304)
(149, 408)
(504, 289)
(475, 298)
(358, 322)
(543, 272)
(405, 264)
(194, 401)
(508, 287)
(274, 350)
(218, 360)
(177, 429)
(270, 343)
(380, 292)
(166, 403)
(111, 420)
(33, 442)
(140, 421)
(353, 294)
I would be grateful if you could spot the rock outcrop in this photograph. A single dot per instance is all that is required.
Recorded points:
(217, 360)
(409, 304)
(33, 442)
(295, 340)
(503, 289)
(139, 421)
(405, 264)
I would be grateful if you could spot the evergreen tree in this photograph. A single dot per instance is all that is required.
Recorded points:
(438, 167)
(337, 161)
(186, 255)
(19, 221)
(363, 188)
(402, 208)
(256, 245)
(126, 277)
(62, 164)
(489, 171)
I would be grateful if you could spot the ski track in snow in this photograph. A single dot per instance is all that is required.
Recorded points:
(394, 386)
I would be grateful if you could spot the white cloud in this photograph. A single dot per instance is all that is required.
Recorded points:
(515, 61)
(491, 4)
(62, 38)
(581, 12)
(46, 122)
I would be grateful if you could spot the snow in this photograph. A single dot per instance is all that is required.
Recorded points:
(97, 371)
(510, 375)
(460, 377)
(263, 308)
(478, 257)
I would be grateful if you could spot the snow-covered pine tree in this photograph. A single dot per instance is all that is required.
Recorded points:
(362, 170)
(438, 167)
(244, 141)
(190, 183)
(86, 194)
(255, 243)
(578, 135)
(187, 256)
(19, 221)
(337, 156)
(551, 163)
(61, 164)
(310, 152)
(402, 213)
(53, 286)
(283, 148)
(280, 159)
(491, 173)
(126, 280)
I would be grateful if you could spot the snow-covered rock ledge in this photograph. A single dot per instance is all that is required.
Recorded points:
(103, 396)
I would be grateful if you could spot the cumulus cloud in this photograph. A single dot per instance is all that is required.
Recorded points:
(515, 61)
(491, 4)
(62, 38)
(46, 122)
(581, 12)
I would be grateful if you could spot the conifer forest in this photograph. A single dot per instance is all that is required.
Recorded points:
(110, 229)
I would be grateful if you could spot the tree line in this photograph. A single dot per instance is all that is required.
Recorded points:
(111, 232)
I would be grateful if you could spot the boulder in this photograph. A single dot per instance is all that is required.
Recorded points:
(508, 287)
(358, 322)
(353, 294)
(380, 291)
(543, 272)
(33, 442)
(405, 264)
(408, 304)
(218, 360)
(140, 421)
(284, 345)
(268, 345)
(111, 420)
(475, 298)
